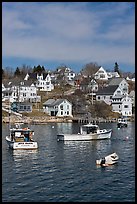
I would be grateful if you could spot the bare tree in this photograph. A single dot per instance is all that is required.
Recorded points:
(8, 72)
(90, 69)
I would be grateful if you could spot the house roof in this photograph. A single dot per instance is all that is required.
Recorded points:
(52, 102)
(17, 82)
(49, 102)
(115, 81)
(108, 90)
(58, 101)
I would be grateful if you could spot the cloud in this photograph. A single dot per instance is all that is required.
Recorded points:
(69, 32)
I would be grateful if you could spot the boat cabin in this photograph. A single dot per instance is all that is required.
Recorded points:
(89, 128)
(21, 135)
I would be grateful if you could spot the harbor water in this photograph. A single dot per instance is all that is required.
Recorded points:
(67, 171)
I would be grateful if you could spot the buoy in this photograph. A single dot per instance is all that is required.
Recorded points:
(52, 126)
(127, 137)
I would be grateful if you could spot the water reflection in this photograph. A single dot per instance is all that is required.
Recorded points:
(98, 145)
(24, 155)
(64, 128)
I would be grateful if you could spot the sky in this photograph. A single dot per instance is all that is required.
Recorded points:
(74, 34)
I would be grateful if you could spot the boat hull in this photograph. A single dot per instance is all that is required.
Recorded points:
(21, 145)
(82, 137)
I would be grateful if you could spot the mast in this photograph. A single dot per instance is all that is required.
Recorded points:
(9, 113)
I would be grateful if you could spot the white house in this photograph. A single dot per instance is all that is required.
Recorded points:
(122, 105)
(101, 74)
(132, 79)
(94, 85)
(112, 75)
(70, 75)
(59, 107)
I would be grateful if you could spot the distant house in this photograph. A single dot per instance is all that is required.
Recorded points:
(115, 96)
(43, 81)
(101, 74)
(70, 74)
(105, 94)
(112, 75)
(20, 91)
(59, 107)
(94, 85)
(121, 82)
(132, 96)
(132, 79)
(89, 85)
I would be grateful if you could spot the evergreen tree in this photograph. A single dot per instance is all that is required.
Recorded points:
(38, 69)
(116, 68)
(17, 72)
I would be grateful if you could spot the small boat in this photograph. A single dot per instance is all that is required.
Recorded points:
(87, 132)
(108, 160)
(122, 122)
(21, 138)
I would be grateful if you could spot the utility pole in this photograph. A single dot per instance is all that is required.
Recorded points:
(92, 93)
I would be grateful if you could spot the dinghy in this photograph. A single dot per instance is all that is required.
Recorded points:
(108, 160)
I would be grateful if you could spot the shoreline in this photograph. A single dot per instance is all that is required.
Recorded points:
(50, 119)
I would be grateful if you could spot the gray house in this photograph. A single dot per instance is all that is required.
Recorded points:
(59, 107)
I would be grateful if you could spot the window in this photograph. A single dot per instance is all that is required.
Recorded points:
(61, 107)
(28, 108)
(125, 106)
(98, 97)
(61, 112)
(67, 112)
(102, 76)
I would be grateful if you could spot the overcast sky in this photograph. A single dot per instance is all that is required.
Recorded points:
(72, 33)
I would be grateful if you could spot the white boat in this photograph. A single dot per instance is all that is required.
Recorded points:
(108, 160)
(122, 122)
(87, 132)
(21, 138)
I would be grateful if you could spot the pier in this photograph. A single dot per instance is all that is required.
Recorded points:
(93, 120)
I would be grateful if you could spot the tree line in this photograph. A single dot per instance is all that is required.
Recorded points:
(88, 70)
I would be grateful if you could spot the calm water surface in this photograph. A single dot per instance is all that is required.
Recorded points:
(66, 171)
